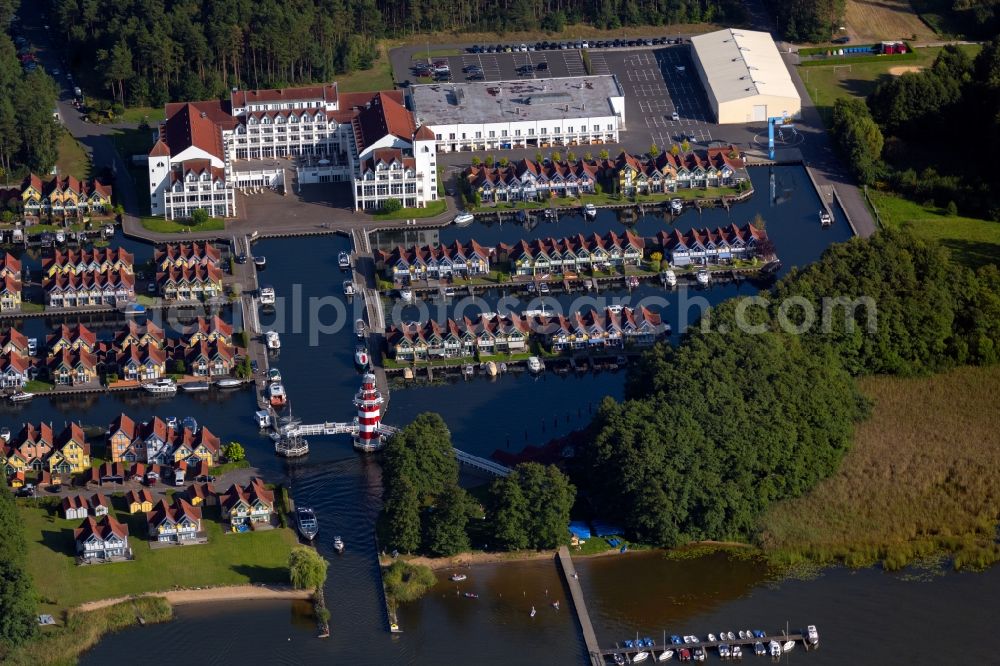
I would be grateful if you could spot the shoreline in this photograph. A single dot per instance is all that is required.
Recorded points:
(207, 594)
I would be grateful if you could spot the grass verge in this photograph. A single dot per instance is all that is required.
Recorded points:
(63, 644)
(972, 241)
(151, 115)
(919, 480)
(72, 158)
(432, 209)
(37, 385)
(227, 559)
(166, 226)
(378, 77)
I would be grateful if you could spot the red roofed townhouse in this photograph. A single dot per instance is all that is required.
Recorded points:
(247, 505)
(206, 151)
(103, 540)
(178, 523)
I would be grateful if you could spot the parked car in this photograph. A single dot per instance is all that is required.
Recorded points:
(542, 66)
(842, 40)
(675, 116)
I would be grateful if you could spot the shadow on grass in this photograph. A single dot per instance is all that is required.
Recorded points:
(60, 541)
(259, 574)
(973, 254)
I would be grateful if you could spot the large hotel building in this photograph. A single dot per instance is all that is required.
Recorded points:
(207, 151)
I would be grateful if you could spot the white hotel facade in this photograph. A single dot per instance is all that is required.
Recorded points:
(504, 115)
(207, 151)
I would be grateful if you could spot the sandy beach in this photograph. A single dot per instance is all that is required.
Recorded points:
(205, 594)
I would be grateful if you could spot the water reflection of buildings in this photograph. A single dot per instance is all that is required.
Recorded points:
(388, 240)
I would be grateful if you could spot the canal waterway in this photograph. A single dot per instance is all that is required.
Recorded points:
(643, 593)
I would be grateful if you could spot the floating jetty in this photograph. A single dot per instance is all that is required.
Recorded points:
(809, 640)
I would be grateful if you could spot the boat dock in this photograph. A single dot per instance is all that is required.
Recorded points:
(594, 652)
(607, 656)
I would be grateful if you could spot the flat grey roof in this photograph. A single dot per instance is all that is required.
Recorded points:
(511, 101)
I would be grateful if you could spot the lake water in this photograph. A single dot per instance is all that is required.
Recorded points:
(862, 616)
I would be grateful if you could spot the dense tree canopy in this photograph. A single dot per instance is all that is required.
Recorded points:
(715, 430)
(912, 310)
(422, 453)
(29, 135)
(919, 114)
(150, 51)
(758, 404)
(858, 137)
(530, 507)
(807, 20)
(447, 521)
(17, 595)
(306, 568)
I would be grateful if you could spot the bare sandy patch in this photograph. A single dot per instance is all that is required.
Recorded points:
(904, 69)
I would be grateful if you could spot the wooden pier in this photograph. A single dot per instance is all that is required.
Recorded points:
(607, 656)
(595, 655)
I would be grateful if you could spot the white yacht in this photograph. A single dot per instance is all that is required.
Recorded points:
(273, 340)
(676, 206)
(702, 277)
(406, 294)
(348, 288)
(344, 261)
(276, 394)
(535, 364)
(787, 646)
(813, 634)
(361, 358)
(825, 219)
(160, 386)
(640, 657)
(463, 218)
(669, 278)
(267, 295)
(229, 382)
(21, 396)
(590, 210)
(775, 648)
(338, 544)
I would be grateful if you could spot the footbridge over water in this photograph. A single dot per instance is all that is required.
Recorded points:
(294, 431)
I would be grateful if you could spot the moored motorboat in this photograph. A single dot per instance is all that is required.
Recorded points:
(775, 648)
(267, 296)
(195, 387)
(669, 278)
(464, 219)
(305, 521)
(731, 636)
(160, 386)
(276, 394)
(698, 654)
(711, 638)
(360, 328)
(344, 261)
(348, 288)
(619, 659)
(590, 210)
(787, 646)
(21, 396)
(491, 369)
(338, 544)
(812, 634)
(191, 423)
(274, 375)
(273, 340)
(736, 652)
(676, 206)
(260, 261)
(468, 369)
(640, 657)
(361, 358)
(666, 655)
(825, 219)
(702, 277)
(228, 382)
(458, 577)
(759, 649)
(406, 294)
(535, 364)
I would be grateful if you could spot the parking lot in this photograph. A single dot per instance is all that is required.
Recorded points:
(657, 82)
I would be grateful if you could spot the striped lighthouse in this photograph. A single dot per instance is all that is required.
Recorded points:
(368, 400)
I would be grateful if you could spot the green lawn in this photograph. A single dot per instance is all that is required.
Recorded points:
(27, 307)
(137, 114)
(827, 83)
(379, 77)
(73, 159)
(37, 385)
(432, 209)
(972, 241)
(606, 199)
(228, 559)
(166, 226)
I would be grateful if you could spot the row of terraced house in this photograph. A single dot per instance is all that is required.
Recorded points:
(137, 352)
(613, 328)
(64, 196)
(529, 180)
(87, 277)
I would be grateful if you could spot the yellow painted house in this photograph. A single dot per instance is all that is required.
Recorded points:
(65, 195)
(139, 501)
(72, 454)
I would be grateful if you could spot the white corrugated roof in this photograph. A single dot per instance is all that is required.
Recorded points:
(743, 63)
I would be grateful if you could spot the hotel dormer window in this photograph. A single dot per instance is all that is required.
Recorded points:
(306, 118)
(252, 121)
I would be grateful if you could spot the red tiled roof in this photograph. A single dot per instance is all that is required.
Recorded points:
(102, 529)
(198, 124)
(242, 98)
